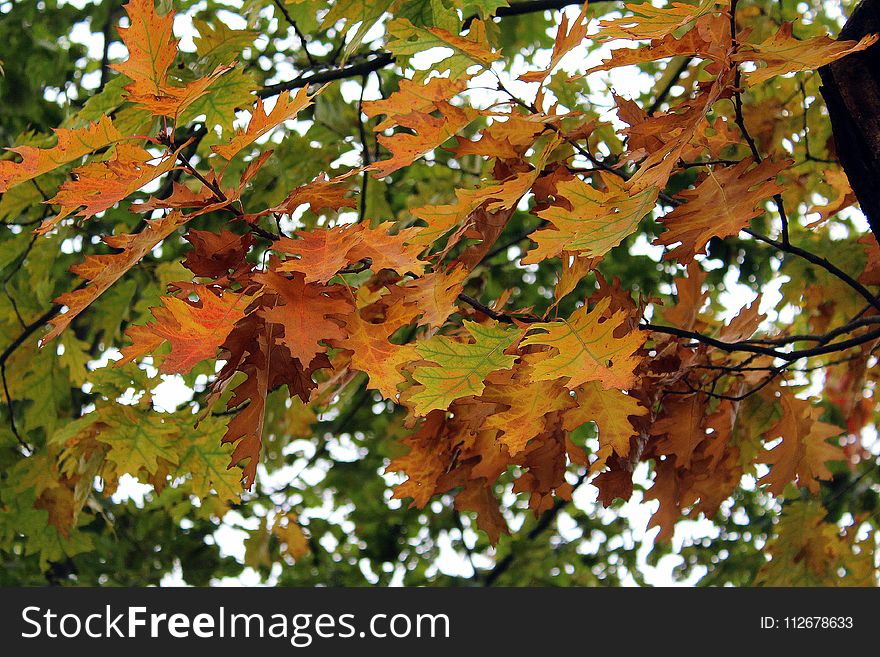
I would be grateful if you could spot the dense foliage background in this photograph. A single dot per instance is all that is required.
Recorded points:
(322, 510)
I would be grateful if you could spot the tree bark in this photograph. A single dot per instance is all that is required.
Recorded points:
(851, 88)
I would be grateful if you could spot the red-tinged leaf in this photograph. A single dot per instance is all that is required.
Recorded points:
(194, 329)
(309, 313)
(98, 186)
(373, 353)
(319, 253)
(320, 194)
(215, 255)
(413, 97)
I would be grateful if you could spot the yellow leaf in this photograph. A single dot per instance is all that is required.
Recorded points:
(586, 348)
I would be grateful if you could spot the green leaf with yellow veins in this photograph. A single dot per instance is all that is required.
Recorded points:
(203, 457)
(137, 439)
(225, 95)
(406, 40)
(219, 44)
(112, 383)
(460, 367)
(75, 357)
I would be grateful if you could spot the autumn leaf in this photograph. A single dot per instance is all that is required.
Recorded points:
(261, 122)
(804, 450)
(457, 368)
(592, 222)
(807, 551)
(527, 405)
(610, 410)
(422, 133)
(152, 50)
(373, 353)
(291, 536)
(102, 271)
(681, 426)
(195, 330)
(782, 53)
(585, 348)
(322, 252)
(305, 311)
(413, 97)
(435, 295)
(97, 186)
(71, 146)
(650, 22)
(566, 40)
(721, 205)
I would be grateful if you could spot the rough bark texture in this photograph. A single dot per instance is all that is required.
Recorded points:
(851, 87)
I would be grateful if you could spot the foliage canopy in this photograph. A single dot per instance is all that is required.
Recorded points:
(441, 292)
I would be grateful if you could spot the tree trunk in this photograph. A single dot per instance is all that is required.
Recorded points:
(851, 87)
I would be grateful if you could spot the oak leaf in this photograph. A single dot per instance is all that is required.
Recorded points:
(102, 271)
(804, 450)
(587, 349)
(307, 312)
(782, 53)
(722, 204)
(195, 330)
(152, 49)
(71, 146)
(458, 368)
(592, 222)
(610, 410)
(261, 122)
(98, 186)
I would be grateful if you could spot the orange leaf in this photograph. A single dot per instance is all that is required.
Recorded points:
(801, 456)
(152, 49)
(101, 271)
(783, 54)
(261, 122)
(721, 205)
(305, 311)
(98, 186)
(195, 330)
(71, 145)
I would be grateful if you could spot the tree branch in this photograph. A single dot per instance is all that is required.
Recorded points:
(819, 261)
